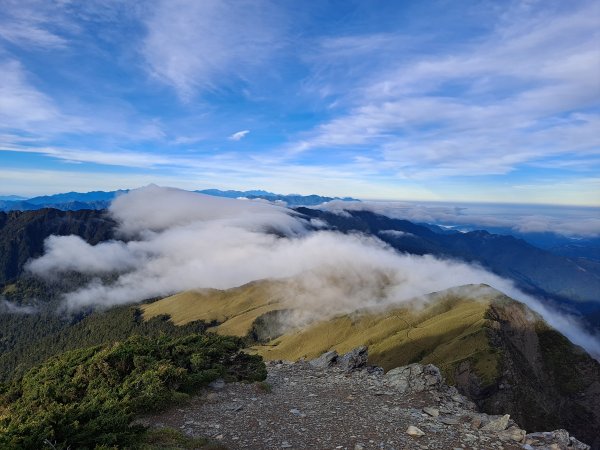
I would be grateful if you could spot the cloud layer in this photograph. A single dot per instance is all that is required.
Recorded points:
(177, 240)
(576, 222)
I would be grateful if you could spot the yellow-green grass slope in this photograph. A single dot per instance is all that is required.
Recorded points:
(452, 327)
(233, 311)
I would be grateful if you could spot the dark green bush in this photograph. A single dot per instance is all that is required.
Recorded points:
(87, 398)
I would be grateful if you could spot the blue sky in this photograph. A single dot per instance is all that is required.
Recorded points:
(437, 100)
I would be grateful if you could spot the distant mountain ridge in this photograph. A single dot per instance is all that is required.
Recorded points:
(75, 201)
(68, 201)
(292, 200)
(539, 272)
(12, 198)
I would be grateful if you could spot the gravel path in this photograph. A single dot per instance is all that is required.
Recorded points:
(308, 408)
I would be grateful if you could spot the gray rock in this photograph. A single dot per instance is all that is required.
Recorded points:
(354, 359)
(297, 412)
(433, 412)
(499, 424)
(415, 378)
(458, 398)
(235, 406)
(325, 361)
(449, 420)
(512, 434)
(375, 370)
(577, 444)
(559, 438)
(414, 431)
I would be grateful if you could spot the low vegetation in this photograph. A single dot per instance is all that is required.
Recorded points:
(29, 340)
(88, 398)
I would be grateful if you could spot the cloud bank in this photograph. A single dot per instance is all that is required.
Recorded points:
(177, 240)
(573, 221)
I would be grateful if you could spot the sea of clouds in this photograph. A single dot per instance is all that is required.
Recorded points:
(173, 240)
(572, 221)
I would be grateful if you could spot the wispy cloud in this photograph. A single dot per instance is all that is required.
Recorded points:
(27, 111)
(527, 92)
(32, 23)
(239, 135)
(21, 104)
(203, 46)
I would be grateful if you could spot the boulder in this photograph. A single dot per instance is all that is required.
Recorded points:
(324, 361)
(415, 378)
(498, 424)
(354, 359)
(512, 434)
(559, 438)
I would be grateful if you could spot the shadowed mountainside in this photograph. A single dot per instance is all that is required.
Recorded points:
(22, 234)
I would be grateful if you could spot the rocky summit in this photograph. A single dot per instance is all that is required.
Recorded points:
(339, 402)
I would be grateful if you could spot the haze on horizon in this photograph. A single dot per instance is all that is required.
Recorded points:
(476, 101)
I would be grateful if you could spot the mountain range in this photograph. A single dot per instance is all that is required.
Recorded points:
(74, 201)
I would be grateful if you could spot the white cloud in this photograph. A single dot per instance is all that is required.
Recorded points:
(26, 108)
(21, 104)
(523, 94)
(239, 135)
(582, 222)
(32, 23)
(395, 233)
(180, 240)
(12, 308)
(202, 46)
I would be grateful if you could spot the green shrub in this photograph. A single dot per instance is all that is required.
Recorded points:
(88, 398)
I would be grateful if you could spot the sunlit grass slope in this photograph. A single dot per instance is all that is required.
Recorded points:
(450, 328)
(445, 333)
(233, 311)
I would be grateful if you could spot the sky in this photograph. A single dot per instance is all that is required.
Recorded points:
(449, 100)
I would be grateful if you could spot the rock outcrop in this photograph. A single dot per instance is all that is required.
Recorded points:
(355, 359)
(415, 378)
